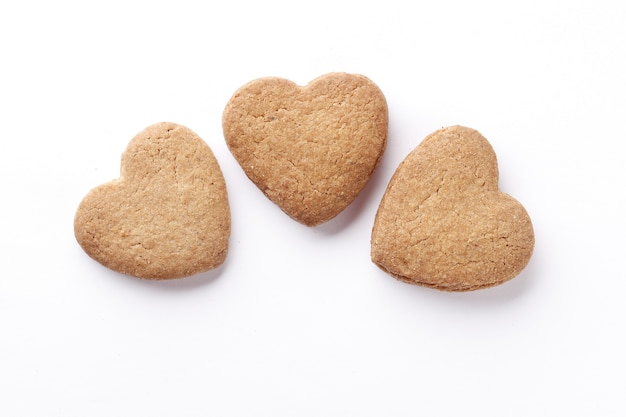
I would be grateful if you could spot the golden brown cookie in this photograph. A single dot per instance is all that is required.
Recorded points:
(310, 149)
(167, 216)
(443, 222)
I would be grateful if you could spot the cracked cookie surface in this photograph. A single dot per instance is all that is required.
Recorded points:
(309, 149)
(443, 222)
(167, 216)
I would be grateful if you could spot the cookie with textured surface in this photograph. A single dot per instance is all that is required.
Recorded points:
(443, 222)
(167, 216)
(309, 149)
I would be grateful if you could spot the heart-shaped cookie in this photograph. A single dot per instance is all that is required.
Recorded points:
(443, 222)
(310, 149)
(167, 216)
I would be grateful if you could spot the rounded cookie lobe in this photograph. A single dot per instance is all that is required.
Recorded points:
(167, 216)
(309, 149)
(443, 222)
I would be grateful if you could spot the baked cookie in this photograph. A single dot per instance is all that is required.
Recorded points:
(168, 214)
(443, 222)
(310, 149)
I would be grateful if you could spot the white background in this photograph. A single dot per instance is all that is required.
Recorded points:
(298, 321)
